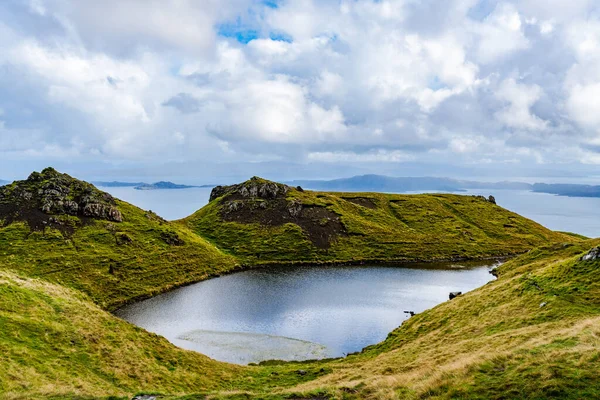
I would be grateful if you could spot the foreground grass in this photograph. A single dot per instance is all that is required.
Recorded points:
(55, 343)
(114, 263)
(391, 227)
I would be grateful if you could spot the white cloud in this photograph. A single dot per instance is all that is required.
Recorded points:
(379, 155)
(392, 80)
(500, 34)
(519, 98)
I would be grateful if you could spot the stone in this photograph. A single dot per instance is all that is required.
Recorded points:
(301, 372)
(295, 208)
(492, 199)
(172, 238)
(543, 304)
(253, 188)
(592, 255)
(454, 294)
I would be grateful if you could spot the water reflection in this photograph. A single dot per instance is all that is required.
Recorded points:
(341, 308)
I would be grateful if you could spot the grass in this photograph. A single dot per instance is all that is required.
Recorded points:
(397, 228)
(98, 260)
(532, 333)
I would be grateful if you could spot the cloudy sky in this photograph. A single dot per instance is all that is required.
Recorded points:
(210, 90)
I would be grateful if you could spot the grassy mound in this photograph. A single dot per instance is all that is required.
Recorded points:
(265, 222)
(115, 252)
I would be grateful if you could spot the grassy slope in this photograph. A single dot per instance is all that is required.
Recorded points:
(401, 227)
(495, 342)
(145, 266)
(56, 343)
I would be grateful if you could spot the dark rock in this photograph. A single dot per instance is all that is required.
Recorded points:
(123, 238)
(411, 313)
(102, 211)
(301, 372)
(172, 238)
(492, 199)
(454, 294)
(295, 207)
(49, 193)
(592, 255)
(253, 188)
(299, 188)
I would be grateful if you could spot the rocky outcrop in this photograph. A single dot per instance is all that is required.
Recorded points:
(273, 204)
(45, 195)
(592, 255)
(253, 188)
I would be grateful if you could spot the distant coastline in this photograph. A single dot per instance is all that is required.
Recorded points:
(381, 183)
(162, 185)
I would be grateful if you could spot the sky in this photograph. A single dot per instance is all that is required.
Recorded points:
(219, 90)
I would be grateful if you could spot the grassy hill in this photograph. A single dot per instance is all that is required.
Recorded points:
(533, 333)
(66, 231)
(260, 221)
(69, 252)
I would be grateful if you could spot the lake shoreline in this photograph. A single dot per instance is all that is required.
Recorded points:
(391, 263)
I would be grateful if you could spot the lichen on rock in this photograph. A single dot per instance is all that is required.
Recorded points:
(49, 193)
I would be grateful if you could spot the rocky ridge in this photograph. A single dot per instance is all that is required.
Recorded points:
(44, 197)
(265, 202)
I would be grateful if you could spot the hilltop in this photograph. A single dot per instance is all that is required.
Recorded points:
(261, 221)
(67, 231)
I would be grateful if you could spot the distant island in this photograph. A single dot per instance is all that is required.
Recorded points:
(149, 186)
(381, 183)
(571, 190)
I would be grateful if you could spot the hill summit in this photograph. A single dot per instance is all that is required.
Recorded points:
(45, 197)
(261, 221)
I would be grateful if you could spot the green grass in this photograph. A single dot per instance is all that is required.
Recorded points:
(58, 341)
(98, 261)
(399, 228)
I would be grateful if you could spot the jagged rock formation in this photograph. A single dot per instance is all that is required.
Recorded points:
(261, 201)
(254, 187)
(48, 195)
(592, 255)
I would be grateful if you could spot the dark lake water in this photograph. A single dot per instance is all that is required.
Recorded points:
(299, 313)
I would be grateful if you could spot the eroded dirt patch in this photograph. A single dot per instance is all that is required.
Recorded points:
(321, 225)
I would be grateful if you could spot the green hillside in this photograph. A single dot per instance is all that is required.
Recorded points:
(264, 222)
(116, 252)
(531, 334)
(69, 252)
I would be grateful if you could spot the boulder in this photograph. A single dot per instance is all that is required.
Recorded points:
(454, 294)
(592, 255)
(492, 199)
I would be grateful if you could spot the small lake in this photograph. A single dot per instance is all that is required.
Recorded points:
(301, 312)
